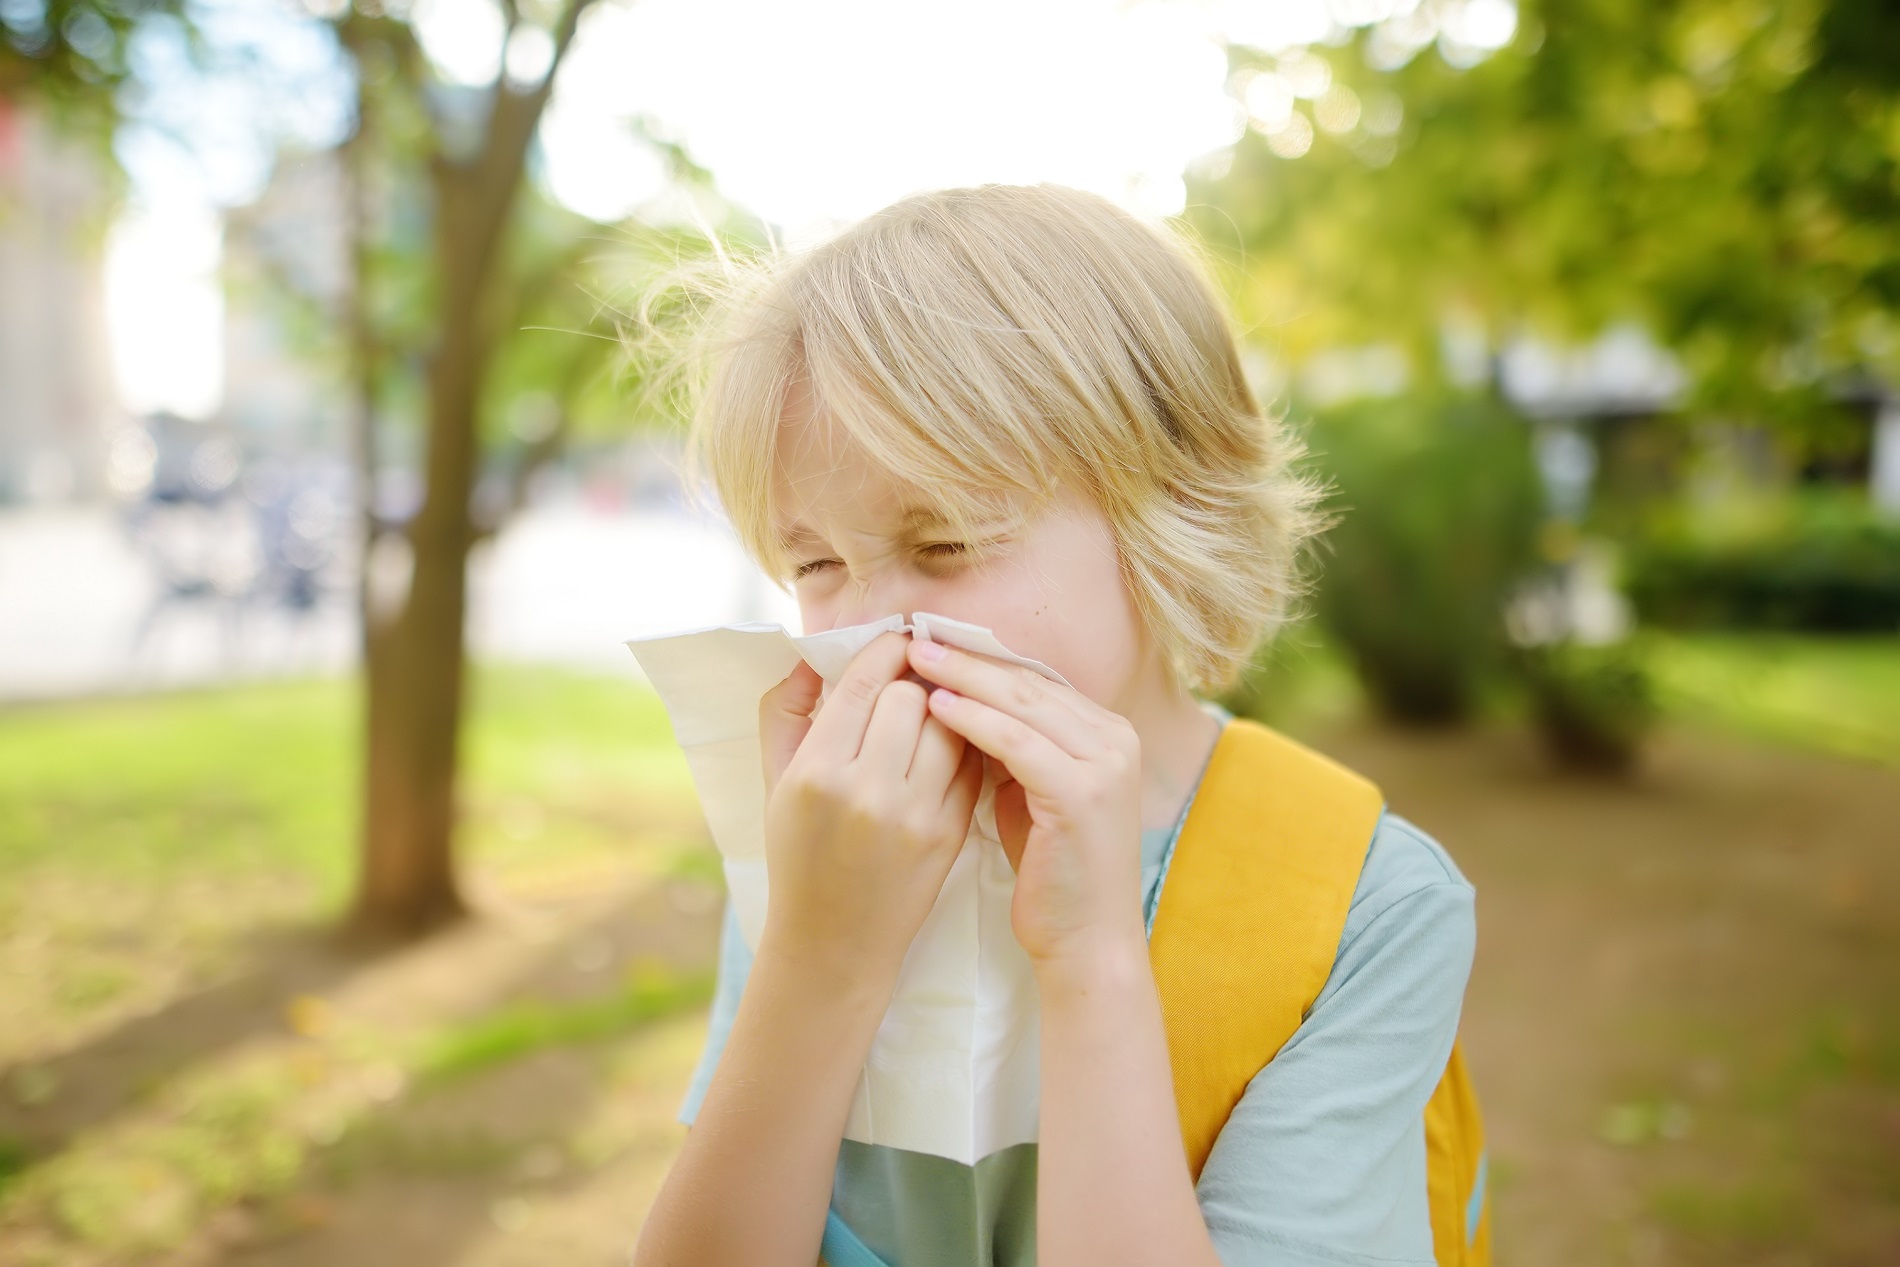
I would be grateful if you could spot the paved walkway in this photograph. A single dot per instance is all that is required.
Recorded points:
(83, 611)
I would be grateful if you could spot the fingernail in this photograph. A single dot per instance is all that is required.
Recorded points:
(929, 650)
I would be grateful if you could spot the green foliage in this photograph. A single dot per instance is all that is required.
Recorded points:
(1593, 704)
(1824, 567)
(1298, 682)
(71, 56)
(1726, 174)
(1437, 502)
(555, 283)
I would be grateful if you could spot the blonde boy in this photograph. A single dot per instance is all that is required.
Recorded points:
(1023, 408)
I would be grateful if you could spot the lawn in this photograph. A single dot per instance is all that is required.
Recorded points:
(1681, 1016)
(1839, 695)
(183, 1046)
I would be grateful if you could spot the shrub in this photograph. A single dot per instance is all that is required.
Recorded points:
(1437, 503)
(1593, 704)
(1828, 566)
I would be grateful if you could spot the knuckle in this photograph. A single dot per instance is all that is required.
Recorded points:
(1026, 691)
(861, 688)
(905, 692)
(803, 785)
(822, 785)
(863, 800)
(919, 827)
(856, 817)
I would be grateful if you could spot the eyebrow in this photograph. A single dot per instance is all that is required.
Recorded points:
(913, 520)
(919, 518)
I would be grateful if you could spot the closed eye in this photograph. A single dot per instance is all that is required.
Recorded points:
(943, 557)
(936, 552)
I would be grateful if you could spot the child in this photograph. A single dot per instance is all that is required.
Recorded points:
(1023, 408)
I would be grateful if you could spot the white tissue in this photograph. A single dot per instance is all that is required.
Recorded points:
(953, 1069)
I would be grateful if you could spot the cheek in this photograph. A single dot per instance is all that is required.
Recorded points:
(815, 613)
(1077, 617)
(1095, 644)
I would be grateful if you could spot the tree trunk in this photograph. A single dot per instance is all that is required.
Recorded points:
(413, 654)
(415, 665)
(413, 712)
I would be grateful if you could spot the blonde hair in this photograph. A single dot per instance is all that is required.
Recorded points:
(1005, 342)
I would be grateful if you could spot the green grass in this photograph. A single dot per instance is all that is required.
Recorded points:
(143, 840)
(263, 778)
(1834, 695)
(1837, 695)
(510, 1033)
(241, 778)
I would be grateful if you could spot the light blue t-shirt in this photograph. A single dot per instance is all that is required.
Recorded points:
(1322, 1163)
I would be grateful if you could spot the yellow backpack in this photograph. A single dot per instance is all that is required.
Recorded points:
(1267, 862)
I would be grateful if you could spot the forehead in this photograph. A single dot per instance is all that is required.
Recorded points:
(820, 473)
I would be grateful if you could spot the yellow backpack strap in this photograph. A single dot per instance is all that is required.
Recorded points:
(1251, 913)
(1456, 1182)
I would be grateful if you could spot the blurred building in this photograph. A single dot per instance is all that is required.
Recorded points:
(1885, 477)
(58, 403)
(1619, 388)
(286, 278)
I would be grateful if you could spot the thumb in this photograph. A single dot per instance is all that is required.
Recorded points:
(784, 717)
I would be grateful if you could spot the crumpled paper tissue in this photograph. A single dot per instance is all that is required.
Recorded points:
(953, 1069)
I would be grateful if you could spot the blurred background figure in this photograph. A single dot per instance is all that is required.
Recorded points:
(354, 903)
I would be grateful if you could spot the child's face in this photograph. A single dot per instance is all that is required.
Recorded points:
(863, 547)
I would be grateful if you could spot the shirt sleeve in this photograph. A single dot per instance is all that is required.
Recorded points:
(1323, 1161)
(735, 965)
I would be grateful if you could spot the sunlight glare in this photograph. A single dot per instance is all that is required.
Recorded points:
(165, 309)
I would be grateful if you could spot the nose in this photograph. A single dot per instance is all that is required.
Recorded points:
(880, 596)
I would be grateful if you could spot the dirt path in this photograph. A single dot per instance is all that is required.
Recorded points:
(1683, 1017)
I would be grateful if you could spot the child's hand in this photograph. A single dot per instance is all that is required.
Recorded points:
(868, 801)
(1070, 819)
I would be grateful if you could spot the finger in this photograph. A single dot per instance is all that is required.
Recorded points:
(934, 764)
(838, 730)
(890, 740)
(785, 717)
(1050, 707)
(1030, 756)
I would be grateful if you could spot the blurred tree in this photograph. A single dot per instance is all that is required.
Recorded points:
(468, 152)
(71, 55)
(1724, 172)
(469, 311)
(475, 340)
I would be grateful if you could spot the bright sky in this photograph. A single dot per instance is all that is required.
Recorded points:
(809, 114)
